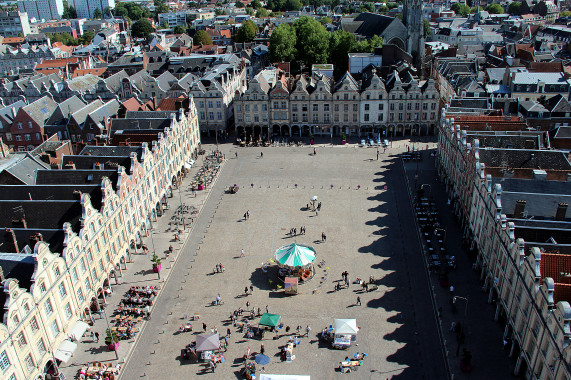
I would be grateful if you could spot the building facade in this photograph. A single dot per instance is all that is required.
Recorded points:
(85, 8)
(319, 106)
(64, 287)
(42, 9)
(12, 24)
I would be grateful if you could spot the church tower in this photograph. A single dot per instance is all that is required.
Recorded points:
(412, 18)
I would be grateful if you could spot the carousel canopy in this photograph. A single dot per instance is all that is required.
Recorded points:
(265, 376)
(295, 255)
(207, 342)
(271, 320)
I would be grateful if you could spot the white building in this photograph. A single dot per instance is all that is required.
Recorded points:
(42, 9)
(172, 19)
(85, 8)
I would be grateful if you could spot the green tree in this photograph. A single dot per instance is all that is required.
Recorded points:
(565, 14)
(179, 29)
(247, 32)
(312, 41)
(460, 9)
(282, 43)
(201, 37)
(250, 11)
(86, 38)
(426, 28)
(193, 4)
(107, 11)
(97, 14)
(325, 20)
(262, 13)
(141, 28)
(160, 7)
(239, 4)
(255, 4)
(367, 7)
(368, 45)
(341, 43)
(392, 5)
(219, 12)
(495, 9)
(383, 9)
(292, 5)
(514, 8)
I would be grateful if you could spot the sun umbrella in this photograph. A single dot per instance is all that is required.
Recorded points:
(314, 198)
(295, 255)
(262, 359)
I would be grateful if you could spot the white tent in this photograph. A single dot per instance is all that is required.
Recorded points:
(265, 376)
(345, 326)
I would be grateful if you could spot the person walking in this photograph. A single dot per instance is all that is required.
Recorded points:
(323, 236)
(261, 154)
(228, 333)
(247, 304)
(358, 301)
(96, 337)
(236, 154)
(251, 289)
(204, 326)
(307, 330)
(242, 254)
(245, 291)
(314, 151)
(267, 309)
(248, 214)
(287, 329)
(262, 349)
(93, 336)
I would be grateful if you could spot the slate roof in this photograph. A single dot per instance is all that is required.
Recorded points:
(105, 111)
(54, 238)
(114, 81)
(521, 158)
(538, 205)
(558, 104)
(533, 78)
(373, 24)
(19, 266)
(165, 79)
(493, 140)
(22, 167)
(114, 151)
(7, 113)
(88, 162)
(86, 83)
(80, 115)
(518, 185)
(75, 177)
(150, 115)
(64, 110)
(532, 106)
(41, 214)
(41, 109)
(139, 124)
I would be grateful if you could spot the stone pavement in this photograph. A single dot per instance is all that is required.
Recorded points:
(362, 215)
(139, 273)
(483, 335)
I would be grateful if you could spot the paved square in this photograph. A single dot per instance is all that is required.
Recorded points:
(360, 218)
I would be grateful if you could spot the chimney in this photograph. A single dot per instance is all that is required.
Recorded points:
(561, 211)
(10, 241)
(98, 166)
(34, 239)
(69, 166)
(519, 208)
(77, 194)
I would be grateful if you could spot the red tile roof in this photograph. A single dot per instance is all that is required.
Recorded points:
(226, 33)
(555, 265)
(98, 71)
(53, 63)
(132, 104)
(13, 40)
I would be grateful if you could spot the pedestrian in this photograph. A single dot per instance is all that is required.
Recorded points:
(316, 213)
(93, 336)
(251, 289)
(262, 349)
(228, 333)
(267, 309)
(347, 281)
(358, 301)
(295, 231)
(217, 268)
(307, 330)
(287, 329)
(242, 254)
(451, 290)
(246, 291)
(204, 326)
(236, 154)
(377, 155)
(248, 304)
(323, 236)
(96, 337)
(248, 214)
(453, 326)
(298, 329)
(244, 216)
(262, 154)
(314, 151)
(194, 193)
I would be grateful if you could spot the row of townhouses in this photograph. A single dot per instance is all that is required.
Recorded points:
(510, 190)
(55, 272)
(274, 104)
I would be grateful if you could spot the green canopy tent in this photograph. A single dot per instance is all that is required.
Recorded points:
(295, 255)
(270, 320)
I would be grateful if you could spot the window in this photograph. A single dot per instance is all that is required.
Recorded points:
(366, 117)
(218, 104)
(20, 125)
(210, 115)
(294, 107)
(30, 125)
(41, 347)
(346, 107)
(326, 107)
(381, 107)
(4, 362)
(29, 362)
(21, 340)
(355, 107)
(336, 108)
(80, 295)
(15, 319)
(48, 307)
(26, 307)
(264, 107)
(62, 291)
(255, 108)
(202, 117)
(326, 118)
(18, 137)
(34, 325)
(12, 377)
(82, 266)
(87, 284)
(366, 107)
(67, 310)
(55, 328)
(315, 108)
(316, 118)
(284, 105)
(27, 137)
(57, 272)
(74, 276)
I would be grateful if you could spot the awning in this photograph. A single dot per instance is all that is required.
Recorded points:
(265, 376)
(65, 351)
(345, 326)
(207, 342)
(187, 166)
(271, 320)
(78, 329)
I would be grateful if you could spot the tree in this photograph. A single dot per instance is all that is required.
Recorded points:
(160, 7)
(426, 26)
(565, 14)
(192, 4)
(239, 4)
(312, 41)
(179, 29)
(495, 9)
(262, 13)
(368, 45)
(107, 11)
(142, 28)
(325, 20)
(460, 9)
(383, 9)
(367, 7)
(201, 37)
(97, 14)
(219, 12)
(255, 4)
(247, 32)
(292, 5)
(86, 38)
(341, 43)
(282, 43)
(250, 11)
(514, 8)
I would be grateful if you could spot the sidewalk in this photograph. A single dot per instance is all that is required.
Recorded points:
(139, 273)
(483, 335)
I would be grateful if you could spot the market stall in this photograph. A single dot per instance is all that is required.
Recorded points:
(296, 260)
(342, 333)
(290, 285)
(207, 345)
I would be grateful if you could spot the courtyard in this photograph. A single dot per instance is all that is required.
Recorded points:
(362, 201)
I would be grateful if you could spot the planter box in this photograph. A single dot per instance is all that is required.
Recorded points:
(156, 268)
(343, 142)
(200, 187)
(113, 346)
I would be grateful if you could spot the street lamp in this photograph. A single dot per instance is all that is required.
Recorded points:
(462, 336)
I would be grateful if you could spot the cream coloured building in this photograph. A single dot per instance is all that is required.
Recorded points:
(57, 291)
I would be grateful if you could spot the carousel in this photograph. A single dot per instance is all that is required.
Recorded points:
(295, 263)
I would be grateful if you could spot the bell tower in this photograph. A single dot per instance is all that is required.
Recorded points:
(412, 18)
